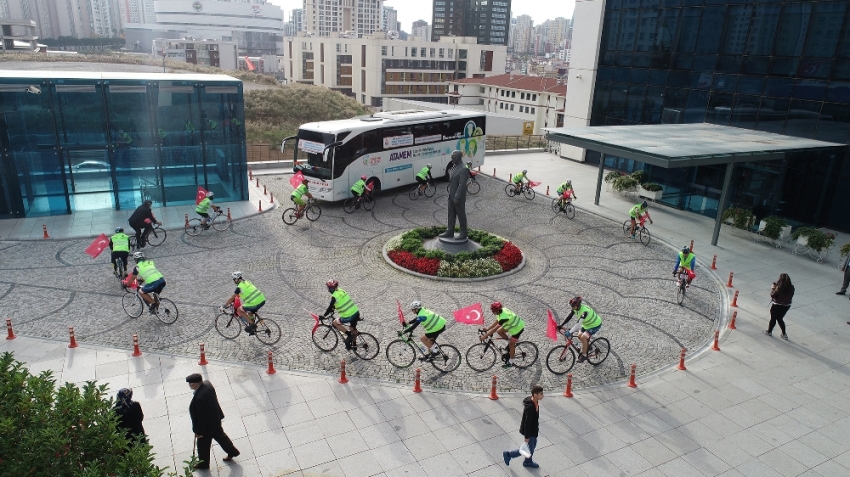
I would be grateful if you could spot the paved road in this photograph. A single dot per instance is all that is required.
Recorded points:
(54, 285)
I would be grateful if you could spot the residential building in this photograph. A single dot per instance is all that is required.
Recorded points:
(370, 69)
(43, 12)
(557, 31)
(488, 21)
(297, 20)
(523, 29)
(781, 67)
(530, 98)
(220, 54)
(421, 30)
(137, 11)
(18, 36)
(323, 17)
(389, 19)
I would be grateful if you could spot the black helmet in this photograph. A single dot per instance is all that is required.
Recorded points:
(118, 230)
(686, 250)
(148, 202)
(644, 205)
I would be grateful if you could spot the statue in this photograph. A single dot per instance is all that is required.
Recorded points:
(457, 201)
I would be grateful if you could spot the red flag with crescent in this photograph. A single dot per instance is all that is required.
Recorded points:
(471, 315)
(551, 327)
(98, 246)
(296, 179)
(400, 313)
(533, 184)
(202, 193)
(316, 324)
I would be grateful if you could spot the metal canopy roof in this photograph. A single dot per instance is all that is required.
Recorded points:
(684, 145)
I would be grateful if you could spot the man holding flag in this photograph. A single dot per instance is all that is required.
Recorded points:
(508, 325)
(433, 324)
(204, 206)
(120, 246)
(588, 321)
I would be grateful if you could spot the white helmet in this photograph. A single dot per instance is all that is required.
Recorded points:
(525, 171)
(569, 182)
(139, 256)
(416, 305)
(236, 275)
(428, 166)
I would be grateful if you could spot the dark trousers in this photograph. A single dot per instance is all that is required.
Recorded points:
(846, 279)
(205, 442)
(777, 315)
(532, 443)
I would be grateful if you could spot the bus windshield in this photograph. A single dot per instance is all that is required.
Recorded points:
(312, 144)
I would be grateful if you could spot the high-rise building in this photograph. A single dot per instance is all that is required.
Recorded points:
(488, 21)
(421, 30)
(556, 31)
(523, 32)
(42, 12)
(389, 19)
(363, 17)
(297, 19)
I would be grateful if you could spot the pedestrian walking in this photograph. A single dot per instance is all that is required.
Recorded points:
(781, 293)
(206, 417)
(846, 269)
(130, 415)
(528, 428)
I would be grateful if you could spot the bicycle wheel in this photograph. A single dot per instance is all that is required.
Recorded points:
(414, 193)
(430, 190)
(268, 332)
(313, 212)
(525, 354)
(509, 189)
(366, 346)
(132, 304)
(133, 244)
(644, 236)
(194, 228)
(369, 202)
(597, 351)
(481, 357)
(473, 187)
(556, 205)
(400, 353)
(570, 210)
(221, 223)
(680, 294)
(289, 216)
(528, 192)
(349, 205)
(627, 228)
(228, 326)
(167, 311)
(156, 237)
(448, 360)
(325, 338)
(561, 360)
(119, 269)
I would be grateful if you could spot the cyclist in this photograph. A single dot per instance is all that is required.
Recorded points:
(423, 177)
(588, 321)
(146, 272)
(508, 325)
(204, 206)
(298, 194)
(251, 299)
(359, 187)
(636, 212)
(120, 246)
(347, 309)
(566, 193)
(688, 261)
(433, 324)
(518, 180)
(142, 222)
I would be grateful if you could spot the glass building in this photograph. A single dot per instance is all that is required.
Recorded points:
(769, 65)
(74, 141)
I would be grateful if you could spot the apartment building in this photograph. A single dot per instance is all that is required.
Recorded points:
(487, 20)
(370, 69)
(523, 30)
(389, 19)
(221, 54)
(324, 17)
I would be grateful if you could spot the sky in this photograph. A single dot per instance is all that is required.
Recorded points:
(411, 10)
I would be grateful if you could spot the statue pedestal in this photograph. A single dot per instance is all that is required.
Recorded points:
(451, 245)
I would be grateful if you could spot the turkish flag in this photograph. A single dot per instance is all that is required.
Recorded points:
(316, 324)
(551, 327)
(370, 186)
(201, 194)
(99, 244)
(296, 179)
(400, 313)
(250, 65)
(471, 315)
(533, 184)
(237, 303)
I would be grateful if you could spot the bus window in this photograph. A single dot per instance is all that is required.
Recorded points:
(397, 137)
(346, 154)
(309, 144)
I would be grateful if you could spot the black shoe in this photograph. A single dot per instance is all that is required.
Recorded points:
(201, 466)
(251, 329)
(231, 456)
(582, 358)
(840, 293)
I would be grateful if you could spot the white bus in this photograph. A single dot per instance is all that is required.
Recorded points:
(389, 148)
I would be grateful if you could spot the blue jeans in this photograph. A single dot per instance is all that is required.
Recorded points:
(532, 443)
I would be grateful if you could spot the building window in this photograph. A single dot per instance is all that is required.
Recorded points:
(534, 97)
(432, 52)
(512, 107)
(513, 94)
(501, 106)
(442, 53)
(383, 51)
(481, 89)
(522, 96)
(532, 110)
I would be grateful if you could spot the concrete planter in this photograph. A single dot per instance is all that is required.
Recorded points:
(656, 196)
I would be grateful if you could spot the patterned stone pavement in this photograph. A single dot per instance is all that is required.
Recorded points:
(47, 286)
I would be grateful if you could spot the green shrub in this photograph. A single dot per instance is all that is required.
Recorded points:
(845, 249)
(612, 176)
(639, 175)
(773, 226)
(652, 187)
(482, 267)
(817, 240)
(741, 218)
(624, 183)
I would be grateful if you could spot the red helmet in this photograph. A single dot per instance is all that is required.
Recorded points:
(575, 302)
(496, 307)
(332, 285)
(363, 177)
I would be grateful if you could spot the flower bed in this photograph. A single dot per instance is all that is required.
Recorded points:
(495, 256)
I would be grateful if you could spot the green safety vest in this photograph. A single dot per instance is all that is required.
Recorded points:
(433, 322)
(592, 320)
(249, 294)
(299, 191)
(203, 206)
(511, 323)
(359, 186)
(120, 242)
(344, 305)
(148, 272)
(564, 187)
(636, 211)
(689, 261)
(519, 177)
(423, 174)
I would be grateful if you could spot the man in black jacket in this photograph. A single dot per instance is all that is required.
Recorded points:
(528, 427)
(206, 417)
(142, 222)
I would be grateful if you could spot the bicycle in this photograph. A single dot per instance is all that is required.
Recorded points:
(401, 353)
(311, 210)
(641, 229)
(366, 200)
(568, 209)
(229, 324)
(482, 356)
(429, 191)
(154, 237)
(120, 271)
(326, 338)
(134, 305)
(681, 285)
(560, 361)
(525, 189)
(219, 222)
(472, 185)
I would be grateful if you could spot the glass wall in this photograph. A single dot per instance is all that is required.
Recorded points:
(777, 66)
(82, 144)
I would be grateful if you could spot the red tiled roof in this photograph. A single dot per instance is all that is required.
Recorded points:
(526, 83)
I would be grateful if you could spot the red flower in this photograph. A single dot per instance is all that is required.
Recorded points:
(405, 259)
(509, 257)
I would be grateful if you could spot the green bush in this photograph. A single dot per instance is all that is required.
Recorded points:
(741, 218)
(639, 175)
(652, 186)
(624, 183)
(612, 176)
(773, 226)
(845, 249)
(817, 240)
(480, 267)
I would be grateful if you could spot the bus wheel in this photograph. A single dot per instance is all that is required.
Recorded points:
(377, 185)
